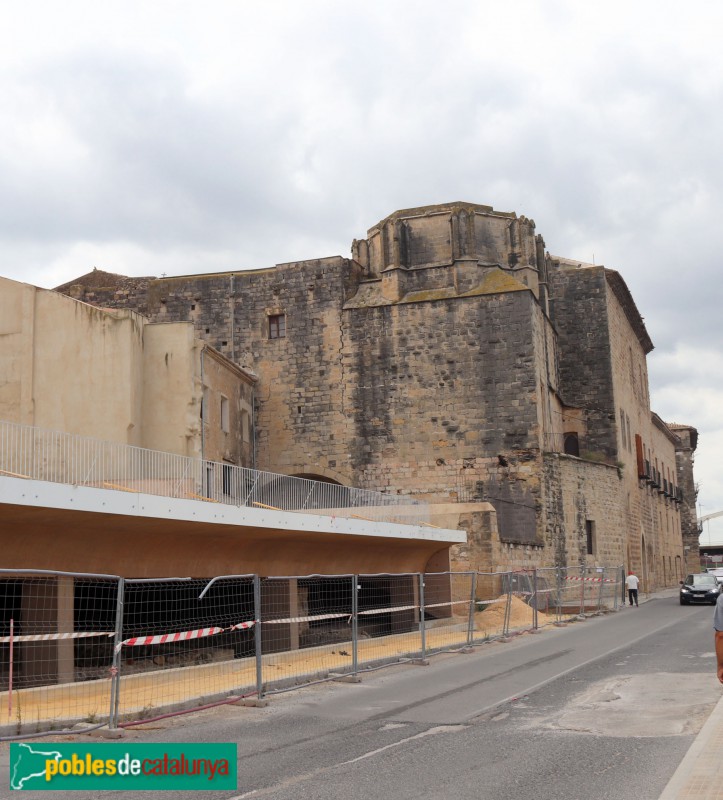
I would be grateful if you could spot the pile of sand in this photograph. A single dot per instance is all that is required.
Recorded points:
(490, 621)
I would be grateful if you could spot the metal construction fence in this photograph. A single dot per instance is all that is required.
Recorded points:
(39, 454)
(101, 650)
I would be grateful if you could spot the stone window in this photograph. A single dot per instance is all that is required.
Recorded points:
(630, 438)
(572, 444)
(225, 422)
(277, 326)
(590, 535)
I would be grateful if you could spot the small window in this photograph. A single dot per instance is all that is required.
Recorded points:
(277, 326)
(225, 427)
(590, 534)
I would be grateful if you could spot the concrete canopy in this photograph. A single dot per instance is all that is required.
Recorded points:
(79, 529)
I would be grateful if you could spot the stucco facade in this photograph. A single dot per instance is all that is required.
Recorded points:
(453, 358)
(111, 374)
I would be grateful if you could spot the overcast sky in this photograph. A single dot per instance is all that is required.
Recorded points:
(171, 137)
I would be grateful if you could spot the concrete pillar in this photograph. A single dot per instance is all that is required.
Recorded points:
(282, 599)
(404, 591)
(47, 606)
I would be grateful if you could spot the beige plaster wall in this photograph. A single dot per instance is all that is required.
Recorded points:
(172, 390)
(110, 374)
(72, 367)
(225, 383)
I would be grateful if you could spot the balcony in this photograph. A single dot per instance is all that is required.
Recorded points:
(28, 452)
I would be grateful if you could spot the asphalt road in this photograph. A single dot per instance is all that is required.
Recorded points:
(605, 708)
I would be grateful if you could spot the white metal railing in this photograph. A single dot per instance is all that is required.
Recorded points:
(30, 452)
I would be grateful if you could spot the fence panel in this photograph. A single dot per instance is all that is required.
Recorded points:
(56, 650)
(610, 591)
(105, 650)
(389, 619)
(571, 595)
(448, 610)
(492, 606)
(184, 643)
(531, 601)
(306, 629)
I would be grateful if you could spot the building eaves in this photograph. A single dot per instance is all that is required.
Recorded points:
(622, 293)
(663, 428)
(242, 372)
(692, 432)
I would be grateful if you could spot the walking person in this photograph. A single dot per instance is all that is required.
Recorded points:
(718, 625)
(632, 583)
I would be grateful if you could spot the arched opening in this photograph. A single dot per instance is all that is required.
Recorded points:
(572, 444)
(314, 477)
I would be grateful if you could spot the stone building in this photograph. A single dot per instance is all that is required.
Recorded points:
(452, 358)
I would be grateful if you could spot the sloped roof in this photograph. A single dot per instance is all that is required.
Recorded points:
(622, 293)
(100, 279)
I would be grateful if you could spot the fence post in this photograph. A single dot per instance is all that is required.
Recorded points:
(115, 670)
(422, 629)
(534, 595)
(582, 590)
(354, 624)
(615, 589)
(600, 595)
(558, 602)
(472, 597)
(10, 670)
(508, 607)
(257, 637)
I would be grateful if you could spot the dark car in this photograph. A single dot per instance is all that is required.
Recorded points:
(703, 588)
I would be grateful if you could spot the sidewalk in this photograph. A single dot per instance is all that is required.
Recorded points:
(700, 774)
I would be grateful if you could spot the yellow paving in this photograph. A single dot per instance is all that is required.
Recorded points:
(146, 694)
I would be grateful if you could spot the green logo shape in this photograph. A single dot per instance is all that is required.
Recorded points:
(38, 766)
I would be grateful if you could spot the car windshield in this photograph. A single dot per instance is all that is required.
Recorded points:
(701, 580)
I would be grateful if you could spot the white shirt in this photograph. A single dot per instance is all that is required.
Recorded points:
(718, 618)
(632, 582)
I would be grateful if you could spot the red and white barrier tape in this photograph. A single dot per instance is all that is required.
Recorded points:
(242, 626)
(304, 619)
(181, 636)
(47, 637)
(387, 610)
(162, 638)
(592, 580)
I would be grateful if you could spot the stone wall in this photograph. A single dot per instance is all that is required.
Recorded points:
(690, 530)
(579, 310)
(448, 360)
(577, 493)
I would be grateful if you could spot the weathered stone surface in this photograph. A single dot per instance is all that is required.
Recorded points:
(452, 358)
